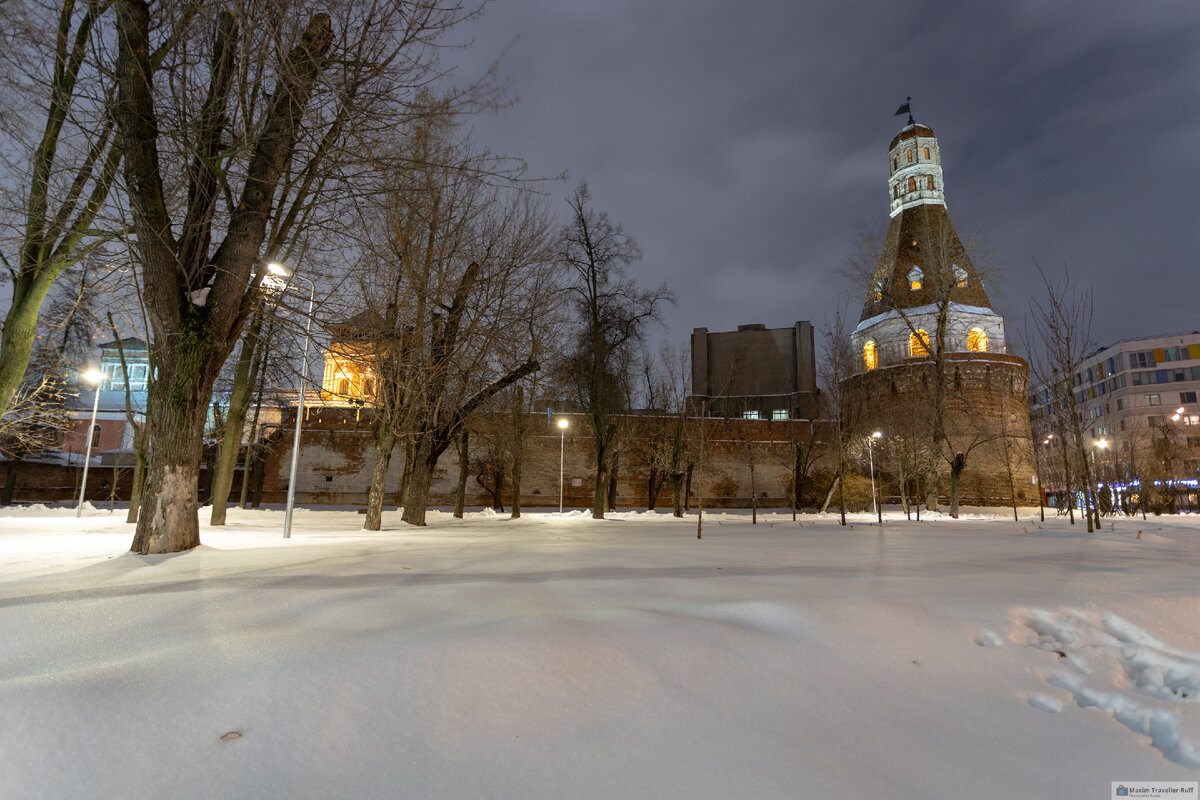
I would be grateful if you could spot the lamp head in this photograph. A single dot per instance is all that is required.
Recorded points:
(278, 269)
(1102, 443)
(93, 376)
(562, 423)
(877, 435)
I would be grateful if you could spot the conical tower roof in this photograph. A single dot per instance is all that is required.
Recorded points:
(922, 261)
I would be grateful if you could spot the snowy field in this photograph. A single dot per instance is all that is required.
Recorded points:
(556, 657)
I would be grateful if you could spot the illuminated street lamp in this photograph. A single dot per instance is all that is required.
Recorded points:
(562, 449)
(283, 272)
(91, 376)
(875, 507)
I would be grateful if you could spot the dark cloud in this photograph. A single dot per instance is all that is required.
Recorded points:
(740, 142)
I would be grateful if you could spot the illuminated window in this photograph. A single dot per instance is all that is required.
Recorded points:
(369, 387)
(977, 341)
(779, 413)
(343, 386)
(918, 343)
(926, 153)
(912, 184)
(915, 277)
(929, 182)
(895, 164)
(751, 415)
(960, 277)
(910, 154)
(870, 355)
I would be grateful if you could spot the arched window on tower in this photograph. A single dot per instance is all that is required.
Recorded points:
(929, 182)
(910, 156)
(960, 277)
(977, 340)
(915, 277)
(927, 154)
(912, 184)
(895, 164)
(918, 343)
(870, 355)
(343, 387)
(896, 191)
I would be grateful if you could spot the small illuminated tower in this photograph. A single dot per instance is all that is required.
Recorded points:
(928, 342)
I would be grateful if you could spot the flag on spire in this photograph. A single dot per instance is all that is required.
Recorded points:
(906, 108)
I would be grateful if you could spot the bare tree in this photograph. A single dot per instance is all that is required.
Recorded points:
(1061, 340)
(55, 70)
(461, 284)
(611, 315)
(844, 411)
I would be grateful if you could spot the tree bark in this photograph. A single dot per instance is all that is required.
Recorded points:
(518, 453)
(383, 459)
(464, 471)
(235, 422)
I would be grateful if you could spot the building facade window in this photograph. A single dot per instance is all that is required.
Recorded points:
(343, 386)
(927, 155)
(912, 184)
(870, 355)
(910, 157)
(977, 340)
(1187, 397)
(1153, 400)
(779, 413)
(960, 276)
(918, 343)
(751, 415)
(929, 182)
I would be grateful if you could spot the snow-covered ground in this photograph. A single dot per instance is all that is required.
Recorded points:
(556, 657)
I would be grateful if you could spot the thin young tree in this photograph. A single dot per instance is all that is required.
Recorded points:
(611, 315)
(1061, 339)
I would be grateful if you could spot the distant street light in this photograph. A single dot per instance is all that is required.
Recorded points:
(91, 376)
(562, 449)
(875, 507)
(284, 272)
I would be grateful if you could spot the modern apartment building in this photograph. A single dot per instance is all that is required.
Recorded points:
(1139, 400)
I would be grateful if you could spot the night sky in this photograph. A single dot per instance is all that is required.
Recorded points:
(740, 142)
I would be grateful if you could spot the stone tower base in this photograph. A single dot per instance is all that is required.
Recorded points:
(985, 415)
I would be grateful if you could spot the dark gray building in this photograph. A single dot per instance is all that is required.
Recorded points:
(755, 372)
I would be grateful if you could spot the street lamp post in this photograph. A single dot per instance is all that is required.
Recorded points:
(562, 449)
(876, 507)
(91, 376)
(1037, 469)
(284, 272)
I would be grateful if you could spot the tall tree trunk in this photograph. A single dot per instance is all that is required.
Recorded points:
(169, 522)
(518, 455)
(956, 470)
(416, 498)
(611, 499)
(384, 443)
(464, 471)
(235, 422)
(252, 447)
